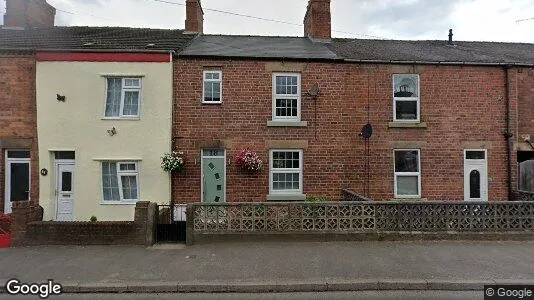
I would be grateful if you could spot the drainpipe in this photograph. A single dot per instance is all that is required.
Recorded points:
(507, 132)
(172, 58)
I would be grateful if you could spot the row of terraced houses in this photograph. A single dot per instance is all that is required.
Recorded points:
(86, 113)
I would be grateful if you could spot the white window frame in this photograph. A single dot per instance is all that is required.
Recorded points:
(120, 174)
(407, 99)
(286, 170)
(284, 96)
(124, 89)
(205, 80)
(407, 174)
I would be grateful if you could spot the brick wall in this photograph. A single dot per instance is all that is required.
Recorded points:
(28, 232)
(526, 105)
(18, 114)
(463, 108)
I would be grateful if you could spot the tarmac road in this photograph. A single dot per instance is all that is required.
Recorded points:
(383, 295)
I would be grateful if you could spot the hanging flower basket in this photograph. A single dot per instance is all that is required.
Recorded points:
(173, 162)
(248, 160)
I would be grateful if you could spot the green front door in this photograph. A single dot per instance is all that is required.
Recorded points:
(213, 176)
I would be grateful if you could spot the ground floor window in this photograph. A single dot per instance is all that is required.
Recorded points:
(407, 173)
(285, 171)
(120, 181)
(526, 170)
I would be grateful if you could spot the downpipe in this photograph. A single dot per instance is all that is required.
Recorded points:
(507, 132)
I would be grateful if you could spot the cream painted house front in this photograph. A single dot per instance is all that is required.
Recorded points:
(102, 129)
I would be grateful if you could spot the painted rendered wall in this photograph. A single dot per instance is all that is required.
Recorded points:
(77, 124)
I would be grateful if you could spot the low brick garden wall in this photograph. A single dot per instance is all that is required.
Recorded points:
(29, 232)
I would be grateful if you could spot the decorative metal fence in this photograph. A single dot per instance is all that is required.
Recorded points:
(361, 217)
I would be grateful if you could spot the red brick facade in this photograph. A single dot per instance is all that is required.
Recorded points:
(463, 108)
(18, 129)
(526, 106)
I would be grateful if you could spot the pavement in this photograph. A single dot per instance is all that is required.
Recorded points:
(274, 267)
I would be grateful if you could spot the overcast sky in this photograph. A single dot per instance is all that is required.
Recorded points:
(491, 20)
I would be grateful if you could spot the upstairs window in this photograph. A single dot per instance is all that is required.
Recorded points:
(286, 97)
(123, 97)
(212, 91)
(406, 102)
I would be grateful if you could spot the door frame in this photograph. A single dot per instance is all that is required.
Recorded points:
(202, 156)
(486, 181)
(7, 175)
(57, 163)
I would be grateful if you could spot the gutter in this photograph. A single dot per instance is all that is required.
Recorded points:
(89, 50)
(421, 62)
(507, 132)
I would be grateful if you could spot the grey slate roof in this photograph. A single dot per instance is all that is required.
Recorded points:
(102, 38)
(257, 47)
(139, 39)
(434, 51)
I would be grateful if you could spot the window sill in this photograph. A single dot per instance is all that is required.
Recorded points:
(416, 125)
(408, 199)
(121, 119)
(294, 197)
(287, 124)
(121, 159)
(119, 203)
(212, 103)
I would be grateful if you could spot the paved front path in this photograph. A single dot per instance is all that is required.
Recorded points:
(276, 263)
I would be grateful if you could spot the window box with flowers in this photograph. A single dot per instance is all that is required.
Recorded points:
(173, 162)
(249, 161)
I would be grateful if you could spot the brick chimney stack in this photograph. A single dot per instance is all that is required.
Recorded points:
(194, 21)
(29, 14)
(317, 22)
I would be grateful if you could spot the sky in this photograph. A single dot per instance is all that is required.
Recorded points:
(471, 20)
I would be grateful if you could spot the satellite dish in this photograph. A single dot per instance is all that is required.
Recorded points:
(314, 91)
(367, 131)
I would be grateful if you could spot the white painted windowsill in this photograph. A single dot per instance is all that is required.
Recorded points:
(399, 124)
(120, 119)
(287, 124)
(119, 203)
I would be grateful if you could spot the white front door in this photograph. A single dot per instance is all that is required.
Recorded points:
(17, 185)
(475, 175)
(64, 191)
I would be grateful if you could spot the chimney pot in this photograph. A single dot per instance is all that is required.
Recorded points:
(194, 21)
(450, 37)
(318, 20)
